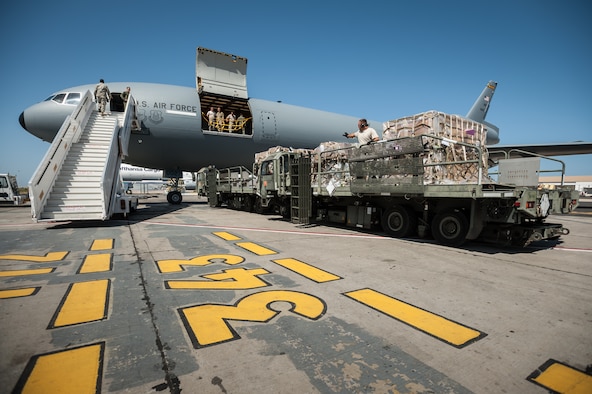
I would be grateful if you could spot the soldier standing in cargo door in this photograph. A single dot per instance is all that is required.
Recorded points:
(102, 96)
(211, 118)
(125, 96)
(230, 118)
(365, 133)
(220, 119)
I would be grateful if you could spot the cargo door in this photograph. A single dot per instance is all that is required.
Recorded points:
(220, 73)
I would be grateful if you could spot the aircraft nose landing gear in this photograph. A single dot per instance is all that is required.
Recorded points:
(174, 195)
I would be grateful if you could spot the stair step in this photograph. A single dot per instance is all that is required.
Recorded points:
(90, 145)
(72, 215)
(69, 205)
(82, 168)
(74, 195)
(77, 187)
(78, 179)
(74, 156)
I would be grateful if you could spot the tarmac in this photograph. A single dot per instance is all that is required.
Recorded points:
(195, 299)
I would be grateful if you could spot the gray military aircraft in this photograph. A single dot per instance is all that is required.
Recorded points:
(175, 134)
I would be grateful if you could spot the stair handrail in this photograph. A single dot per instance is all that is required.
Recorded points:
(129, 117)
(44, 177)
(108, 181)
(121, 134)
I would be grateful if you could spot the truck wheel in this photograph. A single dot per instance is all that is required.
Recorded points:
(248, 204)
(285, 210)
(234, 203)
(174, 197)
(399, 221)
(450, 228)
(259, 208)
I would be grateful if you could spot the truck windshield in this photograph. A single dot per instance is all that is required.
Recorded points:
(267, 167)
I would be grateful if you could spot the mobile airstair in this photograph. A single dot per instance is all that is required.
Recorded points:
(78, 178)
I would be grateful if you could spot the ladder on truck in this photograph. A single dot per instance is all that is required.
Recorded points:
(78, 178)
(301, 194)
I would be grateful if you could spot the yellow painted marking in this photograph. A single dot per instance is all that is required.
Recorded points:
(51, 256)
(167, 266)
(102, 244)
(307, 270)
(430, 323)
(83, 303)
(96, 263)
(226, 236)
(232, 279)
(257, 249)
(72, 371)
(36, 271)
(14, 293)
(561, 378)
(207, 324)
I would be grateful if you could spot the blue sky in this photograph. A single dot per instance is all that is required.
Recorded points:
(376, 59)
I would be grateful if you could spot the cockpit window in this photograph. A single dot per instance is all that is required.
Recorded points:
(59, 98)
(73, 98)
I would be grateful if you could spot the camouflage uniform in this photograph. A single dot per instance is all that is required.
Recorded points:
(102, 95)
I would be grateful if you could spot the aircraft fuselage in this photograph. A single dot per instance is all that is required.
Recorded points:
(173, 135)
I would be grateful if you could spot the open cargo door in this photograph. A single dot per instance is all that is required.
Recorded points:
(220, 73)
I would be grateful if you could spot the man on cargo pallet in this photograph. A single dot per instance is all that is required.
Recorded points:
(365, 133)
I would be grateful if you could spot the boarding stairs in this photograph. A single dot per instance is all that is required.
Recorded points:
(79, 176)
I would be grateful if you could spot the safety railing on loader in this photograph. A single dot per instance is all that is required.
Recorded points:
(404, 165)
(237, 179)
(46, 173)
(523, 159)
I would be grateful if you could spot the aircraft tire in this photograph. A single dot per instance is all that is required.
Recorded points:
(450, 228)
(399, 221)
(174, 197)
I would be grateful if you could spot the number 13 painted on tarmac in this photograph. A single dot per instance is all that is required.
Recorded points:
(207, 324)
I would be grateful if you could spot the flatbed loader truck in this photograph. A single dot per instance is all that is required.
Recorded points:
(399, 186)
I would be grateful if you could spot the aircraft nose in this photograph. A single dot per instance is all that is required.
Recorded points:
(22, 120)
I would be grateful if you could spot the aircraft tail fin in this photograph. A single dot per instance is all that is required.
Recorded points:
(478, 111)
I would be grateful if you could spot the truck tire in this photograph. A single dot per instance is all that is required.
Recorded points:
(450, 228)
(248, 204)
(259, 208)
(284, 209)
(399, 221)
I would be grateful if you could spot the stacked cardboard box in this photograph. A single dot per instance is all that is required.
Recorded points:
(261, 156)
(443, 125)
(330, 164)
(447, 158)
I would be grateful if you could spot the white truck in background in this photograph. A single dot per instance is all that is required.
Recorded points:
(9, 192)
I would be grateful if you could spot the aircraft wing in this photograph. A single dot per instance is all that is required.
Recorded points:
(561, 149)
